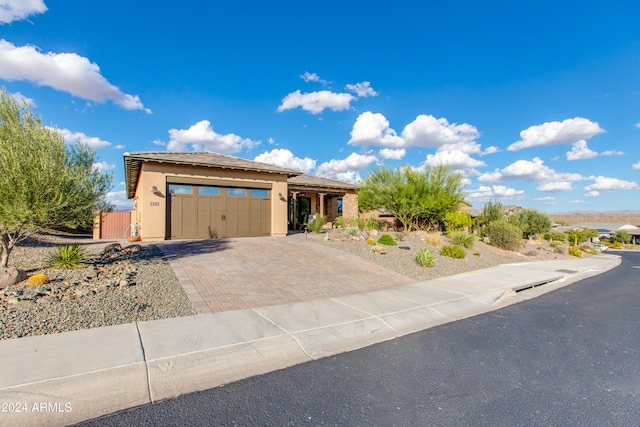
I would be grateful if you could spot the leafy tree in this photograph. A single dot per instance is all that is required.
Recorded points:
(579, 235)
(531, 221)
(622, 236)
(413, 196)
(43, 182)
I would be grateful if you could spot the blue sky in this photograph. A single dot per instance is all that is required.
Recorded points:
(537, 104)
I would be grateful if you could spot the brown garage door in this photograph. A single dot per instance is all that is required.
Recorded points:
(202, 211)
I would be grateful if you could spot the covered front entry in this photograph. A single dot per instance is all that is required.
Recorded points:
(205, 211)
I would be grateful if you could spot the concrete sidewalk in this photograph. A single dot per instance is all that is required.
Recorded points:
(69, 377)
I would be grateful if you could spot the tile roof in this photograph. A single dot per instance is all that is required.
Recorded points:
(296, 179)
(307, 181)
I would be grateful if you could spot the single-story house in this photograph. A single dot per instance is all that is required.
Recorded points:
(193, 195)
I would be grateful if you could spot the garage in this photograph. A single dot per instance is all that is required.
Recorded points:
(206, 211)
(205, 195)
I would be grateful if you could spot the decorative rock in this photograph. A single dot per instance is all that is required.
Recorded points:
(113, 248)
(8, 276)
(11, 299)
(373, 232)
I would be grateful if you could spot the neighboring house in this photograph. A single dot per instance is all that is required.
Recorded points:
(186, 195)
(605, 229)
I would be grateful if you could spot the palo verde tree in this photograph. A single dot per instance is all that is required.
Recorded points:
(43, 181)
(532, 222)
(412, 195)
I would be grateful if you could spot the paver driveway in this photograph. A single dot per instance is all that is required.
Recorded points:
(241, 273)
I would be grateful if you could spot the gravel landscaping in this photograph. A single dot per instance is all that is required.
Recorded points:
(119, 286)
(130, 283)
(401, 258)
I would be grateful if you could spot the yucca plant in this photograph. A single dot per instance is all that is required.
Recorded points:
(317, 224)
(462, 238)
(70, 256)
(425, 258)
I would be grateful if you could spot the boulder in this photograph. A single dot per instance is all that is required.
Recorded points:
(9, 276)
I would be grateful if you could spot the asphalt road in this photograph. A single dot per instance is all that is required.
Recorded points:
(567, 358)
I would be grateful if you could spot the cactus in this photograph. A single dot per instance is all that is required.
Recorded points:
(38, 280)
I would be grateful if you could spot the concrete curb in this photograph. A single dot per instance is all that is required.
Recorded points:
(66, 378)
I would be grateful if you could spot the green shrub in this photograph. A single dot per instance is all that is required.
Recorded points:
(476, 253)
(617, 245)
(461, 238)
(353, 231)
(69, 256)
(575, 251)
(377, 249)
(371, 223)
(453, 251)
(317, 224)
(371, 241)
(386, 239)
(505, 236)
(425, 258)
(338, 222)
(555, 235)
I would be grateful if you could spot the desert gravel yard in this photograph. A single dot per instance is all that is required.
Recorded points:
(401, 258)
(117, 287)
(131, 283)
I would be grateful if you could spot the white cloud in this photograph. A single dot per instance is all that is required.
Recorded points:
(202, 137)
(103, 166)
(638, 125)
(490, 150)
(547, 199)
(119, 147)
(485, 193)
(21, 99)
(603, 183)
(362, 89)
(392, 154)
(456, 159)
(316, 102)
(66, 72)
(94, 142)
(348, 169)
(119, 199)
(553, 186)
(636, 165)
(372, 129)
(580, 151)
(548, 133)
(312, 77)
(16, 10)
(533, 171)
(577, 201)
(428, 131)
(285, 158)
(612, 153)
(593, 193)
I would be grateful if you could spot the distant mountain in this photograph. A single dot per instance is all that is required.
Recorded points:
(592, 212)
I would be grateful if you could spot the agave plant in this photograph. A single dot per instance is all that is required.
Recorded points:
(69, 256)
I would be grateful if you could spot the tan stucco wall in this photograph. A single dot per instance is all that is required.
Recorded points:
(150, 208)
